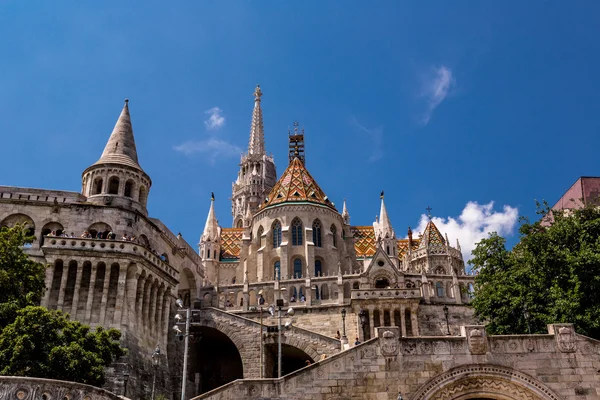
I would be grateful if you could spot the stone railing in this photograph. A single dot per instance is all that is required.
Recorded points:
(423, 252)
(28, 194)
(401, 293)
(25, 388)
(106, 246)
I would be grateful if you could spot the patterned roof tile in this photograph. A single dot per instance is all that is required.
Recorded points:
(433, 239)
(231, 243)
(365, 242)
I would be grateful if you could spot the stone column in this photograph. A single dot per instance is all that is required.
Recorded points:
(402, 319)
(152, 308)
(63, 284)
(91, 290)
(260, 273)
(414, 319)
(107, 273)
(158, 313)
(139, 300)
(76, 291)
(165, 317)
(48, 283)
(145, 305)
(371, 322)
(456, 289)
(119, 304)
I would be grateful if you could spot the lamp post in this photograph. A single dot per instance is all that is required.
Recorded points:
(155, 361)
(363, 322)
(288, 313)
(125, 380)
(447, 324)
(186, 337)
(344, 338)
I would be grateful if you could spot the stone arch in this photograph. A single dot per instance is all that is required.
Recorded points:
(234, 335)
(19, 218)
(260, 240)
(129, 188)
(347, 290)
(324, 292)
(113, 185)
(99, 227)
(187, 286)
(97, 185)
(297, 228)
(485, 380)
(380, 277)
(47, 229)
(143, 239)
(297, 343)
(296, 266)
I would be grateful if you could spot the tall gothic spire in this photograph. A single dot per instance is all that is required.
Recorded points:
(120, 148)
(257, 133)
(384, 225)
(345, 214)
(211, 228)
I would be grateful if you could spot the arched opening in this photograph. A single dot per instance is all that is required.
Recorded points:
(277, 270)
(240, 223)
(143, 239)
(297, 268)
(164, 257)
(55, 285)
(51, 228)
(376, 318)
(276, 228)
(142, 195)
(355, 286)
(318, 268)
(381, 283)
(214, 360)
(408, 322)
(347, 290)
(128, 188)
(113, 185)
(439, 289)
(292, 359)
(324, 292)
(97, 187)
(260, 239)
(187, 285)
(387, 320)
(100, 230)
(22, 219)
(317, 233)
(334, 235)
(296, 232)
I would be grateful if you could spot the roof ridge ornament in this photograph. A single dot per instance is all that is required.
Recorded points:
(296, 143)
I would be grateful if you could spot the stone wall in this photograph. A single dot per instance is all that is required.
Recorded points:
(558, 366)
(24, 388)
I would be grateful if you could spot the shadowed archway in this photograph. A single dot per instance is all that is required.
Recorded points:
(292, 359)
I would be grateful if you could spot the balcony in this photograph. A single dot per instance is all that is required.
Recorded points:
(400, 293)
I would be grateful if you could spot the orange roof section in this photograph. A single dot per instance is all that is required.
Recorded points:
(364, 241)
(433, 239)
(296, 185)
(231, 243)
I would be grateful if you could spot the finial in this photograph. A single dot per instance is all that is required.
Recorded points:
(257, 93)
(126, 100)
(381, 195)
(429, 212)
(212, 196)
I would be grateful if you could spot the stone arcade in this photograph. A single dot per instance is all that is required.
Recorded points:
(404, 298)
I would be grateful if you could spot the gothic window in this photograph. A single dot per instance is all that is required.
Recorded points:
(128, 188)
(113, 185)
(334, 235)
(259, 237)
(439, 287)
(208, 253)
(409, 284)
(318, 268)
(317, 233)
(97, 186)
(355, 286)
(277, 271)
(296, 232)
(387, 249)
(276, 234)
(297, 268)
(240, 224)
(439, 270)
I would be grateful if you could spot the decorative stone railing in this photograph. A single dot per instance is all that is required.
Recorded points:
(369, 294)
(423, 252)
(104, 246)
(26, 388)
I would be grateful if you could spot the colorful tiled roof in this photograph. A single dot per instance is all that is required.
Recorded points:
(296, 185)
(231, 243)
(433, 239)
(403, 246)
(365, 242)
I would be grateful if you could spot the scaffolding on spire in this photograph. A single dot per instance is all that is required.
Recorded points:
(296, 140)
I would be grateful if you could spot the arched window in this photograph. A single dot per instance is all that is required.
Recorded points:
(387, 249)
(355, 286)
(277, 271)
(318, 268)
(128, 188)
(113, 185)
(439, 270)
(276, 234)
(439, 287)
(297, 268)
(317, 233)
(97, 186)
(259, 237)
(334, 235)
(296, 232)
(207, 253)
(240, 224)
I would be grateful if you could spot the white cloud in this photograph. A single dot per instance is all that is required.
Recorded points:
(473, 224)
(216, 119)
(375, 136)
(436, 86)
(213, 148)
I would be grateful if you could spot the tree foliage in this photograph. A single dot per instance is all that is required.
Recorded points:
(551, 276)
(21, 279)
(47, 344)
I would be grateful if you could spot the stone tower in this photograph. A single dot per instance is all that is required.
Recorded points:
(210, 245)
(257, 173)
(117, 179)
(384, 233)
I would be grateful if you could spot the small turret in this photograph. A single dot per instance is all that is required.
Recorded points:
(385, 233)
(210, 244)
(345, 214)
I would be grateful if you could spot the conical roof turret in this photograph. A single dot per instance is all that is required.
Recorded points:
(211, 232)
(345, 214)
(432, 239)
(383, 227)
(256, 144)
(120, 148)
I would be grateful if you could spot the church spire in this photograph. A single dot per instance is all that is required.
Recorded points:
(384, 226)
(257, 133)
(120, 148)
(345, 214)
(211, 228)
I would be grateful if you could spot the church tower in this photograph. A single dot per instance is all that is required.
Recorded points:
(257, 175)
(210, 244)
(117, 179)
(384, 233)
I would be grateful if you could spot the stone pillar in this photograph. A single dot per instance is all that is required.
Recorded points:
(145, 305)
(119, 304)
(48, 283)
(139, 301)
(63, 284)
(165, 318)
(371, 321)
(90, 299)
(456, 289)
(425, 291)
(159, 310)
(104, 302)
(76, 290)
(402, 319)
(309, 250)
(414, 319)
(260, 269)
(152, 308)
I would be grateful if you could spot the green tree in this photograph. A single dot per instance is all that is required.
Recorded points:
(551, 276)
(47, 344)
(21, 279)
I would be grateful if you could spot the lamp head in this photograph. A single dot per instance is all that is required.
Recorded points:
(179, 303)
(343, 312)
(176, 329)
(271, 310)
(178, 317)
(288, 325)
(290, 312)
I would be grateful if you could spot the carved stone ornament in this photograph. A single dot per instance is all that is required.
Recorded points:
(389, 344)
(565, 339)
(477, 341)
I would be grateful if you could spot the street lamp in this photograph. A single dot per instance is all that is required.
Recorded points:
(344, 338)
(288, 325)
(447, 324)
(155, 361)
(363, 322)
(186, 337)
(125, 380)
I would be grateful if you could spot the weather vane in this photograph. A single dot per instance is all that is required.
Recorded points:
(429, 212)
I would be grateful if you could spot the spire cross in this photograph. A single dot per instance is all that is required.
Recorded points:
(429, 212)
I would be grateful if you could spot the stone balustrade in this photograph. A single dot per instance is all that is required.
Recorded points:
(26, 388)
(104, 246)
(399, 293)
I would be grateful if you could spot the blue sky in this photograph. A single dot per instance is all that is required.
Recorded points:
(448, 104)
